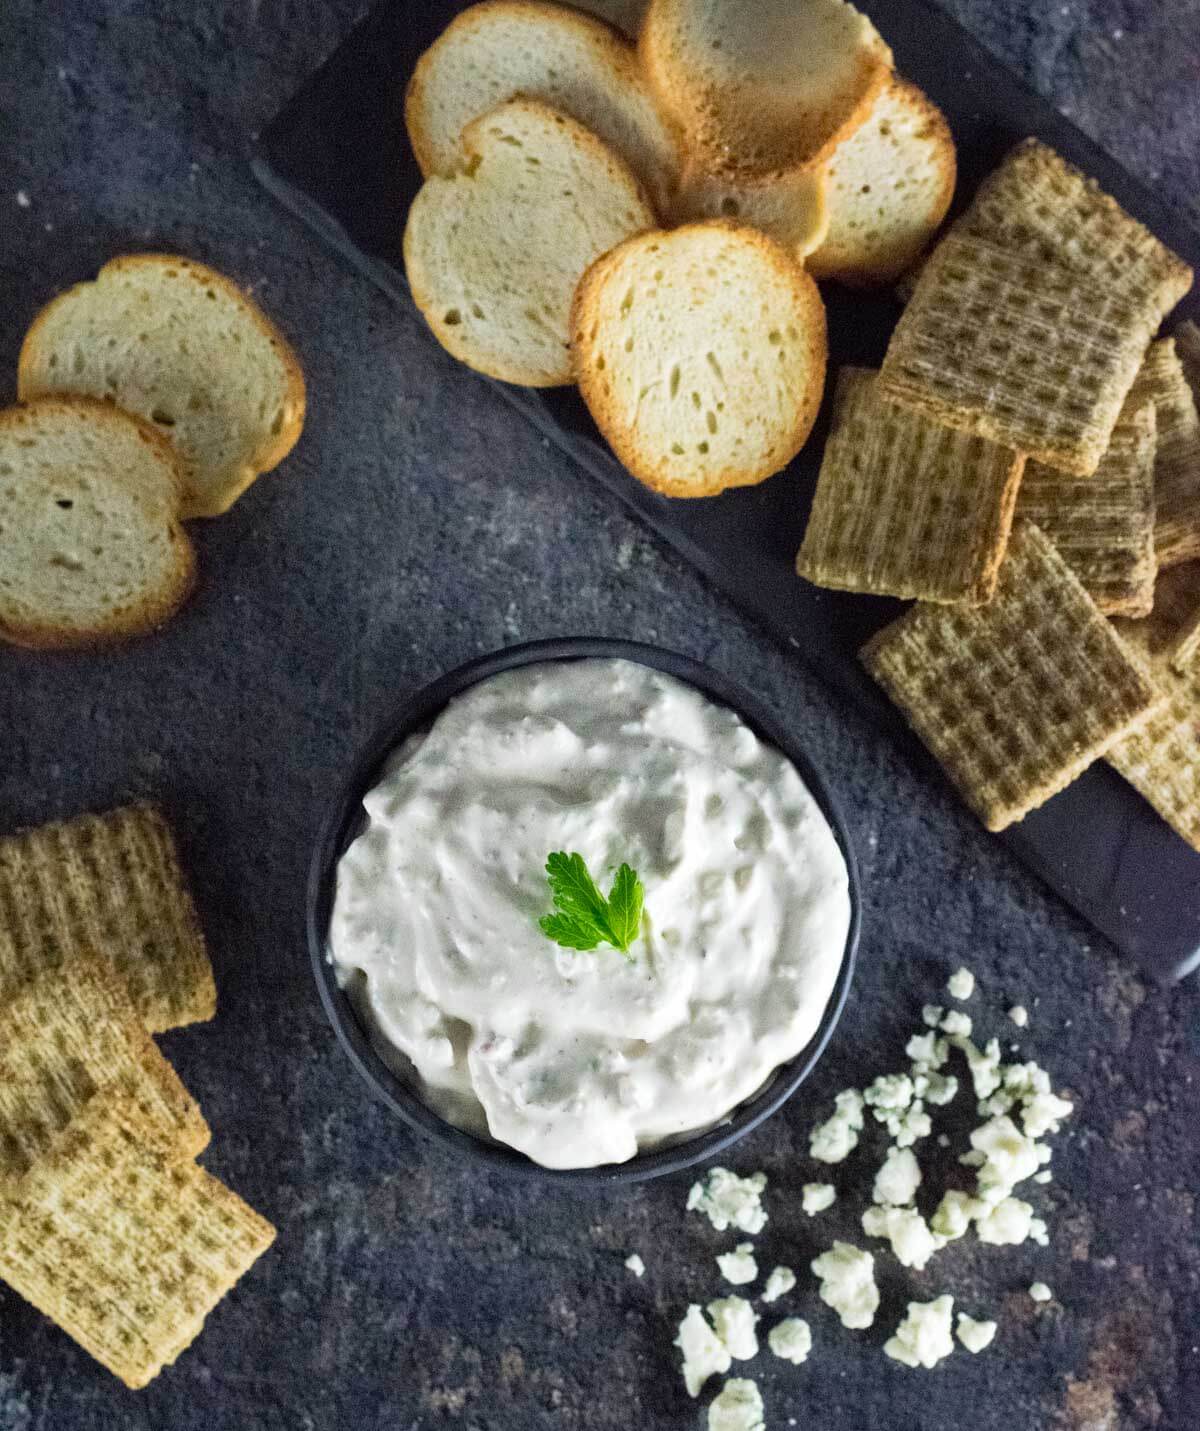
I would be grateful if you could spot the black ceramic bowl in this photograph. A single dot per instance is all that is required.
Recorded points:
(347, 819)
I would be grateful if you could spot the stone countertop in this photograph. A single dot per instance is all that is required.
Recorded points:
(419, 523)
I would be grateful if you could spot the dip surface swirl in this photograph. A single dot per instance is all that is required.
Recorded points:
(582, 1058)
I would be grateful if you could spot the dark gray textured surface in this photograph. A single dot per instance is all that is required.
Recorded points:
(418, 523)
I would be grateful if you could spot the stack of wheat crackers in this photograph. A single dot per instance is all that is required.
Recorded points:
(107, 1223)
(1026, 467)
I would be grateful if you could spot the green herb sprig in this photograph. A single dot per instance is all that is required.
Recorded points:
(582, 917)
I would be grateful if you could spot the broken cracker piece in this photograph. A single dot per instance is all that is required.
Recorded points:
(1103, 526)
(65, 1035)
(1161, 759)
(123, 1246)
(905, 507)
(1177, 463)
(111, 882)
(1017, 698)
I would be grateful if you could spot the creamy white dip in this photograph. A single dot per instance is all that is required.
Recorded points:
(582, 1058)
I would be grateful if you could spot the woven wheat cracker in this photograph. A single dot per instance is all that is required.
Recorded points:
(1171, 633)
(1038, 204)
(1163, 381)
(1103, 526)
(1017, 698)
(110, 882)
(125, 1247)
(1020, 350)
(905, 507)
(1031, 319)
(1161, 759)
(64, 1036)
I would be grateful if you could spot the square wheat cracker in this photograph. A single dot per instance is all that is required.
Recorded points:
(1163, 381)
(1030, 319)
(905, 507)
(124, 1247)
(1103, 526)
(1017, 698)
(110, 882)
(1038, 203)
(1024, 352)
(64, 1036)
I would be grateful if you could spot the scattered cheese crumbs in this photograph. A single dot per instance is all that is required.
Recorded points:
(739, 1266)
(931, 1014)
(924, 1337)
(779, 1283)
(897, 1181)
(1019, 1015)
(791, 1339)
(1043, 1113)
(961, 984)
(911, 1239)
(936, 1088)
(926, 1051)
(955, 1214)
(704, 1353)
(1008, 1224)
(834, 1140)
(635, 1264)
(889, 1091)
(975, 1336)
(23, 199)
(730, 1201)
(1040, 1292)
(739, 1407)
(816, 1197)
(957, 1024)
(907, 1127)
(1039, 1232)
(734, 1319)
(1043, 1177)
(1004, 1157)
(943, 1140)
(984, 1065)
(848, 1284)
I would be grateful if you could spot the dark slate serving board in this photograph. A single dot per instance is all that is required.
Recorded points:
(338, 157)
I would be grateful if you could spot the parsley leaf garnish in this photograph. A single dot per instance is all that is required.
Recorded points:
(582, 917)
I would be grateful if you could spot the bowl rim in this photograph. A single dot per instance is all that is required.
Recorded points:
(342, 822)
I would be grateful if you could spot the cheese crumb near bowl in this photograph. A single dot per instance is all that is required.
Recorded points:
(704, 1353)
(961, 984)
(730, 1201)
(739, 1407)
(1019, 1014)
(791, 1340)
(975, 1336)
(897, 1181)
(912, 1241)
(635, 1265)
(924, 1337)
(847, 1276)
(816, 1197)
(734, 1320)
(739, 1267)
(779, 1284)
(1040, 1292)
(834, 1140)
